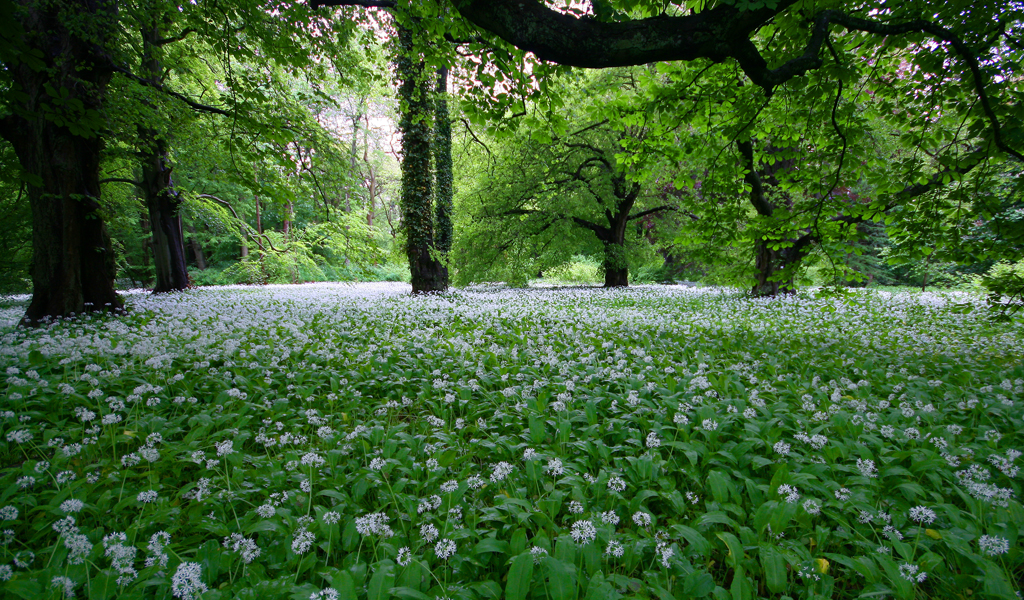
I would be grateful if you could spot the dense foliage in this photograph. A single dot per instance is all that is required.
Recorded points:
(669, 443)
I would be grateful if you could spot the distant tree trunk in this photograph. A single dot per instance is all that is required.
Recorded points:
(417, 214)
(259, 216)
(616, 270)
(616, 263)
(197, 249)
(443, 171)
(73, 260)
(162, 200)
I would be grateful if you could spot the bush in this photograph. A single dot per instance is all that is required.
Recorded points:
(581, 269)
(1004, 283)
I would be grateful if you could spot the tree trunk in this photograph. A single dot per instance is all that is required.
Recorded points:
(443, 171)
(162, 200)
(616, 269)
(769, 263)
(73, 260)
(163, 204)
(197, 250)
(417, 198)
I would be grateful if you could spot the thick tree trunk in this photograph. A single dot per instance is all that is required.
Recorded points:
(417, 198)
(616, 269)
(73, 261)
(770, 263)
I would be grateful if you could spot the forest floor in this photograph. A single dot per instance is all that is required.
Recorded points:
(352, 441)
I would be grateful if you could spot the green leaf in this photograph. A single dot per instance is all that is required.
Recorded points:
(381, 582)
(774, 566)
(519, 577)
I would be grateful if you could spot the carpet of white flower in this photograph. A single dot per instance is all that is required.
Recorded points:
(344, 441)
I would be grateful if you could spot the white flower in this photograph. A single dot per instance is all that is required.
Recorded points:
(642, 519)
(911, 574)
(781, 448)
(325, 594)
(583, 532)
(445, 548)
(72, 505)
(993, 545)
(789, 492)
(302, 541)
(147, 496)
(65, 584)
(812, 506)
(404, 556)
(538, 553)
(377, 464)
(652, 440)
(186, 583)
(449, 486)
(500, 471)
(610, 517)
(575, 507)
(555, 467)
(266, 510)
(709, 424)
(617, 484)
(614, 549)
(842, 494)
(8, 513)
(429, 532)
(224, 448)
(331, 517)
(867, 468)
(922, 515)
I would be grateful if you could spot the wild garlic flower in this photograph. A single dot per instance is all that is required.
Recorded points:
(789, 493)
(993, 545)
(614, 548)
(445, 549)
(583, 532)
(922, 514)
(500, 471)
(404, 556)
(912, 573)
(187, 583)
(642, 519)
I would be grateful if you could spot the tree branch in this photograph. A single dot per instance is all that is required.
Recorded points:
(120, 180)
(195, 105)
(651, 211)
(175, 38)
(363, 3)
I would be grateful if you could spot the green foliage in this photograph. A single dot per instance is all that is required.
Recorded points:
(558, 445)
(581, 269)
(1005, 285)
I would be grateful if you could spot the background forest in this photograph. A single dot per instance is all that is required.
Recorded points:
(277, 140)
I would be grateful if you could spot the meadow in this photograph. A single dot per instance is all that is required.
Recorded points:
(664, 443)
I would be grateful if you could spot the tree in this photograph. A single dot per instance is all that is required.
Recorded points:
(428, 272)
(53, 119)
(545, 184)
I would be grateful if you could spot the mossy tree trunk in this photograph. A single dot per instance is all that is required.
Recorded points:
(427, 272)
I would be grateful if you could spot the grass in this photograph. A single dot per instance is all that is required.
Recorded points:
(581, 444)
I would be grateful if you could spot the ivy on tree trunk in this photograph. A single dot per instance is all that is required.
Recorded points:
(428, 273)
(443, 170)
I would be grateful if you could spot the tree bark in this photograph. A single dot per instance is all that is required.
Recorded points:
(197, 250)
(443, 171)
(59, 149)
(417, 198)
(162, 200)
